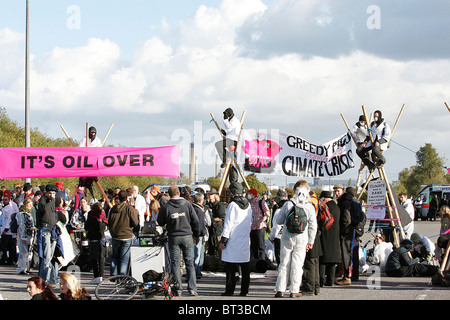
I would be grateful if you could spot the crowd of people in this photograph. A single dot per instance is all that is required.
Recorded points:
(200, 227)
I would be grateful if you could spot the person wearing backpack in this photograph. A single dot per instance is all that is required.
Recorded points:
(8, 239)
(296, 239)
(331, 256)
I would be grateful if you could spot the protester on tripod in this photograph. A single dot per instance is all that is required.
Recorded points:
(230, 135)
(381, 134)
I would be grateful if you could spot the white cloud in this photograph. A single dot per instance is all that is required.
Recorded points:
(405, 30)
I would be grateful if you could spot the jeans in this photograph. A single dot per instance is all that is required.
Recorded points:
(185, 245)
(120, 256)
(48, 268)
(199, 257)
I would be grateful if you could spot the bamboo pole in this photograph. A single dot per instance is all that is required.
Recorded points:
(71, 197)
(445, 259)
(225, 176)
(87, 134)
(395, 125)
(67, 135)
(104, 194)
(107, 134)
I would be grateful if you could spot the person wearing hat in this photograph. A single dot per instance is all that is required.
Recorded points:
(93, 140)
(235, 241)
(47, 217)
(27, 192)
(230, 135)
(423, 248)
(217, 219)
(381, 134)
(8, 238)
(277, 229)
(261, 215)
(331, 250)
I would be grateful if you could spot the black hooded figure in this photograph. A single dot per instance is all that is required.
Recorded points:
(92, 133)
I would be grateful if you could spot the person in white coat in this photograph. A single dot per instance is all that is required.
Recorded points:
(230, 135)
(295, 245)
(409, 207)
(235, 241)
(381, 135)
(140, 205)
(8, 238)
(381, 251)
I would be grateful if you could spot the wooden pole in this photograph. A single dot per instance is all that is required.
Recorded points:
(107, 134)
(448, 108)
(391, 202)
(87, 134)
(67, 135)
(104, 194)
(71, 197)
(348, 128)
(445, 259)
(395, 125)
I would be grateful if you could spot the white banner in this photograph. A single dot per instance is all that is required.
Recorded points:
(376, 200)
(284, 154)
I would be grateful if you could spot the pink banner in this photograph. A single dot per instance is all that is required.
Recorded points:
(21, 163)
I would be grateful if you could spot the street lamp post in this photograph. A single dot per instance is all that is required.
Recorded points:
(27, 82)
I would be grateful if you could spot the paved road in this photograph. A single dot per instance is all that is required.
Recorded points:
(373, 287)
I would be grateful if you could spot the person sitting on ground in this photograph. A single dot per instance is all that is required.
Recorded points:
(399, 264)
(422, 248)
(71, 288)
(381, 251)
(38, 289)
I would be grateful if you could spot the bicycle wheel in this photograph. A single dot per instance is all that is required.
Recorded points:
(120, 287)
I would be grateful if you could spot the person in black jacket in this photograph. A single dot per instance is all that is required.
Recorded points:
(218, 213)
(47, 218)
(344, 201)
(181, 222)
(95, 227)
(331, 256)
(199, 249)
(399, 264)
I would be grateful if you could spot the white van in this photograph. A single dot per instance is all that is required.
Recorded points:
(422, 200)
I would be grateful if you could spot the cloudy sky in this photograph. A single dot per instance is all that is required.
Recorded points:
(157, 69)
